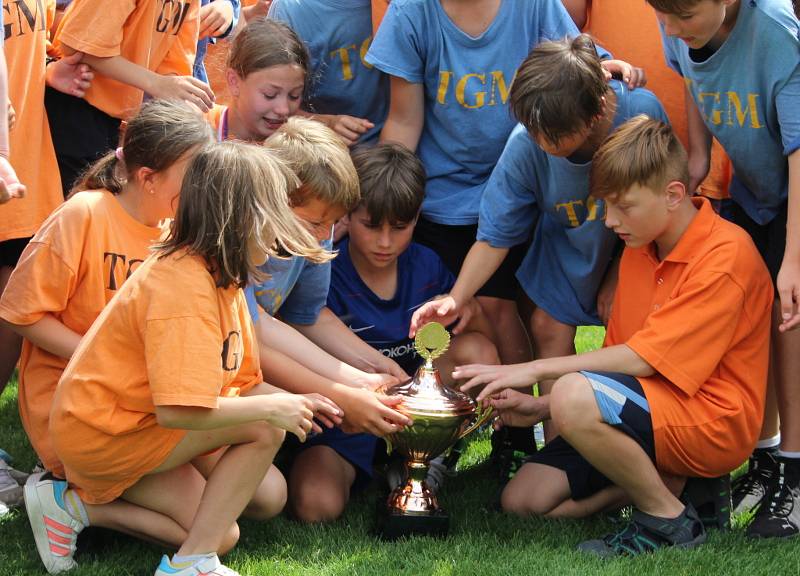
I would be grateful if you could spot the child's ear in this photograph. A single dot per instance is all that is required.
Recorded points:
(146, 178)
(675, 194)
(233, 81)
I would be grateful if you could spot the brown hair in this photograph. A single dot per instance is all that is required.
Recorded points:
(392, 181)
(321, 160)
(642, 151)
(233, 194)
(559, 88)
(676, 7)
(265, 43)
(157, 137)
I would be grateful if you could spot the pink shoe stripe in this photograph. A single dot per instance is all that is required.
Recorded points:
(57, 525)
(59, 550)
(54, 537)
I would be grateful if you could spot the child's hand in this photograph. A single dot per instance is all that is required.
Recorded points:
(291, 412)
(185, 88)
(215, 18)
(257, 10)
(325, 411)
(349, 128)
(69, 75)
(375, 382)
(10, 186)
(634, 77)
(369, 412)
(788, 285)
(443, 309)
(518, 409)
(496, 378)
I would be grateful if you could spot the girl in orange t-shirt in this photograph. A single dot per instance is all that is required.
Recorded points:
(135, 47)
(169, 372)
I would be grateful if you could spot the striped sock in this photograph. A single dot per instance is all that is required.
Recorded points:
(74, 507)
(189, 559)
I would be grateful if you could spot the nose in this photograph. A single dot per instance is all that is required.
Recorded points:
(611, 220)
(384, 237)
(282, 106)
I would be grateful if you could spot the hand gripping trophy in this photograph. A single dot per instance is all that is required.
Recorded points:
(442, 416)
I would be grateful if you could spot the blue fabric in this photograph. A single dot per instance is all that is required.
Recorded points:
(466, 82)
(199, 68)
(358, 449)
(748, 92)
(571, 246)
(611, 395)
(383, 324)
(338, 34)
(295, 287)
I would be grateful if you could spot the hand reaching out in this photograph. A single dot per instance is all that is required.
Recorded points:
(632, 76)
(69, 75)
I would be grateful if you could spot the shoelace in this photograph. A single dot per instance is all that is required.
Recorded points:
(752, 481)
(781, 503)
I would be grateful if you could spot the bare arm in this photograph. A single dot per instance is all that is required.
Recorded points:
(699, 143)
(788, 282)
(49, 334)
(406, 113)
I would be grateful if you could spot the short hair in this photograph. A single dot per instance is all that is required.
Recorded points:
(677, 7)
(233, 194)
(559, 88)
(642, 151)
(392, 181)
(320, 159)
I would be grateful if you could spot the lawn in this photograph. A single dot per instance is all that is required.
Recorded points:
(482, 540)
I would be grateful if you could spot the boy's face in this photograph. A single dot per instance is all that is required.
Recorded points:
(699, 26)
(379, 245)
(638, 216)
(567, 145)
(319, 217)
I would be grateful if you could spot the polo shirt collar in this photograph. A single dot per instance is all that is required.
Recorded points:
(695, 235)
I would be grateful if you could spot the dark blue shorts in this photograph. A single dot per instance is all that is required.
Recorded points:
(623, 405)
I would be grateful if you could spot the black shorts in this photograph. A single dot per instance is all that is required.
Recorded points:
(769, 238)
(452, 243)
(11, 250)
(630, 417)
(81, 134)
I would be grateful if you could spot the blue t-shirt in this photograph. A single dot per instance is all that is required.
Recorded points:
(295, 287)
(338, 34)
(748, 92)
(571, 247)
(383, 324)
(199, 67)
(466, 82)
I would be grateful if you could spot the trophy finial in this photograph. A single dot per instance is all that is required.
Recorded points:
(431, 341)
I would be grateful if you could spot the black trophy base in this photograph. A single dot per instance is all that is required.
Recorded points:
(392, 525)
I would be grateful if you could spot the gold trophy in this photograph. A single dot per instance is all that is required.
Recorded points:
(442, 416)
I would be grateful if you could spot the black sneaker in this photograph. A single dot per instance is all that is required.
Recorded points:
(646, 533)
(748, 489)
(711, 497)
(779, 513)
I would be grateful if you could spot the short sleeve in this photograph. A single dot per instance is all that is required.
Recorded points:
(250, 371)
(308, 297)
(398, 47)
(703, 316)
(787, 102)
(86, 28)
(508, 205)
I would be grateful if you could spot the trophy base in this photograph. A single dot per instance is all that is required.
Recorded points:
(393, 525)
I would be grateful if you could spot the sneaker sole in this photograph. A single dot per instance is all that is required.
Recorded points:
(33, 507)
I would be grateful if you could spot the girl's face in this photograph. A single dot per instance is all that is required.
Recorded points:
(266, 98)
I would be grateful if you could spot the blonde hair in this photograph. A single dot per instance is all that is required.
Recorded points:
(233, 194)
(320, 159)
(642, 151)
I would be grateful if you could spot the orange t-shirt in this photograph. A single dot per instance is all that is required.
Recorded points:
(701, 319)
(73, 266)
(160, 35)
(170, 337)
(217, 118)
(629, 30)
(379, 8)
(27, 23)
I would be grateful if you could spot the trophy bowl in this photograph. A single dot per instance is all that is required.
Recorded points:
(441, 416)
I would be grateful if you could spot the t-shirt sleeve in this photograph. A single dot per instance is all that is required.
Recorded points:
(250, 371)
(398, 47)
(281, 10)
(180, 57)
(787, 102)
(95, 27)
(703, 316)
(508, 204)
(308, 297)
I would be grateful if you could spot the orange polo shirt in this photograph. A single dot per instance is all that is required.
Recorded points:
(701, 319)
(170, 337)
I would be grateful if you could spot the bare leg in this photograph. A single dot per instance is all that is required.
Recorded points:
(319, 484)
(786, 350)
(510, 336)
(10, 342)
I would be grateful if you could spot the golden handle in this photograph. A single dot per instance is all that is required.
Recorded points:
(483, 417)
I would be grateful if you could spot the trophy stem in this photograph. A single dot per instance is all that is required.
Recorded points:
(414, 497)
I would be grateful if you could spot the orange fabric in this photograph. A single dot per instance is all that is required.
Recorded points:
(32, 154)
(216, 63)
(160, 35)
(629, 30)
(379, 8)
(214, 118)
(701, 319)
(171, 337)
(73, 266)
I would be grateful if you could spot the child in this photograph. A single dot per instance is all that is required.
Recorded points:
(10, 186)
(218, 19)
(379, 278)
(568, 272)
(740, 64)
(88, 247)
(345, 92)
(167, 373)
(640, 415)
(135, 48)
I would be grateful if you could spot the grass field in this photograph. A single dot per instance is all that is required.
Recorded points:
(482, 541)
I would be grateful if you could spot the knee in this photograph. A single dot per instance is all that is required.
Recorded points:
(267, 435)
(229, 540)
(270, 498)
(475, 348)
(500, 312)
(572, 404)
(313, 505)
(520, 499)
(547, 330)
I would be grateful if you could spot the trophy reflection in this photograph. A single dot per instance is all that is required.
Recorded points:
(442, 416)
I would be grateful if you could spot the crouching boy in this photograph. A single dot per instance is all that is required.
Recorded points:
(678, 389)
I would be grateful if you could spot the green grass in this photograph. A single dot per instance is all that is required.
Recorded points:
(482, 541)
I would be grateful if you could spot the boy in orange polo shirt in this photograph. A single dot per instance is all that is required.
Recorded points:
(647, 411)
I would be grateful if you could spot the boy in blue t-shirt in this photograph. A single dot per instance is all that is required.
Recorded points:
(566, 108)
(741, 64)
(349, 95)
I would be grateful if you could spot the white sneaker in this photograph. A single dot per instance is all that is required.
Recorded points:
(210, 566)
(55, 531)
(10, 489)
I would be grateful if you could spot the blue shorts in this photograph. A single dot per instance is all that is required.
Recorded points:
(623, 405)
